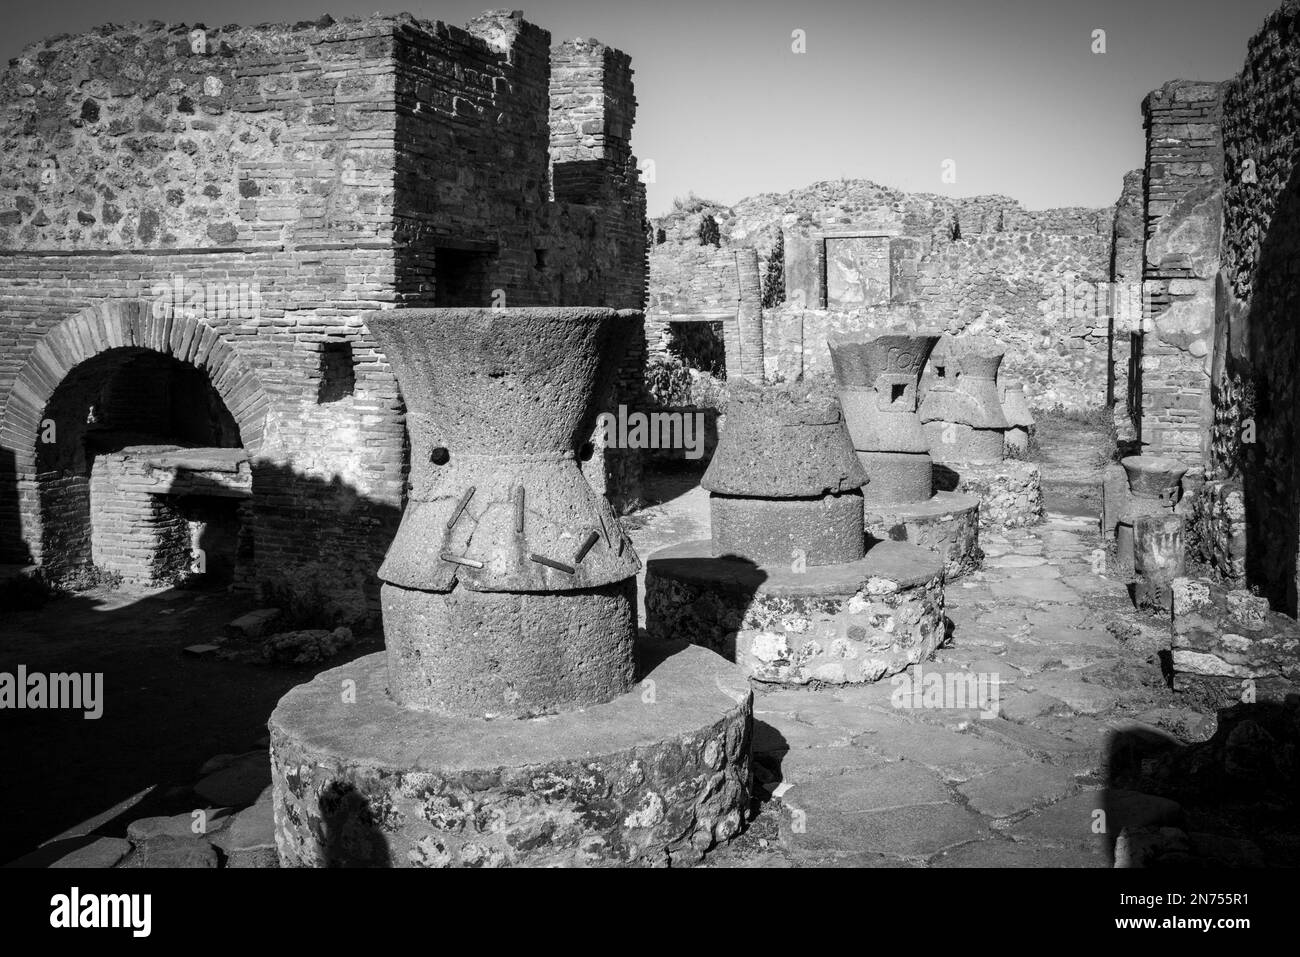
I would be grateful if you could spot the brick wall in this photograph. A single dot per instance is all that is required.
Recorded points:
(317, 171)
(1184, 199)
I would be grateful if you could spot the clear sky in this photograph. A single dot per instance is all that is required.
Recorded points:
(1010, 90)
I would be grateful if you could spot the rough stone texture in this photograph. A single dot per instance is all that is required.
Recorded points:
(232, 213)
(836, 624)
(947, 524)
(1010, 493)
(1254, 372)
(783, 443)
(1159, 556)
(878, 391)
(1034, 279)
(507, 590)
(507, 653)
(1169, 383)
(1154, 485)
(657, 776)
(1231, 642)
(821, 531)
(1216, 532)
(961, 407)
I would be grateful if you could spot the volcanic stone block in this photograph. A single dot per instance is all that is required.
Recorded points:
(834, 624)
(1153, 488)
(962, 411)
(1230, 644)
(782, 443)
(1010, 492)
(656, 776)
(1159, 556)
(510, 653)
(1019, 418)
(878, 393)
(947, 524)
(822, 530)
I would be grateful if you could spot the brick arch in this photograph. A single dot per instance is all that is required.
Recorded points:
(122, 324)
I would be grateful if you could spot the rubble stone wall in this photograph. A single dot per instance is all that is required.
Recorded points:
(157, 179)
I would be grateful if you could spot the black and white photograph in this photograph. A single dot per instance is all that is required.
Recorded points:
(720, 436)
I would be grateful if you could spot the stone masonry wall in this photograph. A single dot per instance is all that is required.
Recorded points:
(1184, 198)
(320, 170)
(1257, 349)
(1038, 280)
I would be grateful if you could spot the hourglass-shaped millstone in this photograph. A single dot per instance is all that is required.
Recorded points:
(784, 480)
(509, 588)
(1020, 419)
(1154, 483)
(962, 411)
(878, 380)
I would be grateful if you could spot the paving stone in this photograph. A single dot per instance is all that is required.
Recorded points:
(239, 783)
(1000, 854)
(254, 624)
(1084, 697)
(1024, 707)
(1071, 822)
(1017, 561)
(1009, 791)
(249, 841)
(957, 755)
(1043, 745)
(86, 850)
(908, 832)
(178, 825)
(1034, 590)
(776, 734)
(168, 851)
(805, 765)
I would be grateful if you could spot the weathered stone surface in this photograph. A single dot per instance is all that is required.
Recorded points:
(783, 443)
(656, 776)
(253, 624)
(549, 651)
(831, 624)
(1010, 492)
(822, 531)
(239, 783)
(946, 524)
(1096, 818)
(167, 851)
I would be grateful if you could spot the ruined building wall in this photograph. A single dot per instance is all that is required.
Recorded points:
(316, 171)
(1184, 212)
(1257, 350)
(1036, 279)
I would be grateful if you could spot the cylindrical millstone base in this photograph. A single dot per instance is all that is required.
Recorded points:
(896, 477)
(836, 624)
(656, 776)
(485, 654)
(1159, 556)
(946, 524)
(1010, 492)
(816, 531)
(957, 442)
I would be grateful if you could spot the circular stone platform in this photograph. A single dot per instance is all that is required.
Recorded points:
(830, 624)
(1010, 491)
(656, 776)
(946, 524)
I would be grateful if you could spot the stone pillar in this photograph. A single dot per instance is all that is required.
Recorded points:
(749, 315)
(1159, 556)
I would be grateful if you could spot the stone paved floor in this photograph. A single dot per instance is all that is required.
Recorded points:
(847, 776)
